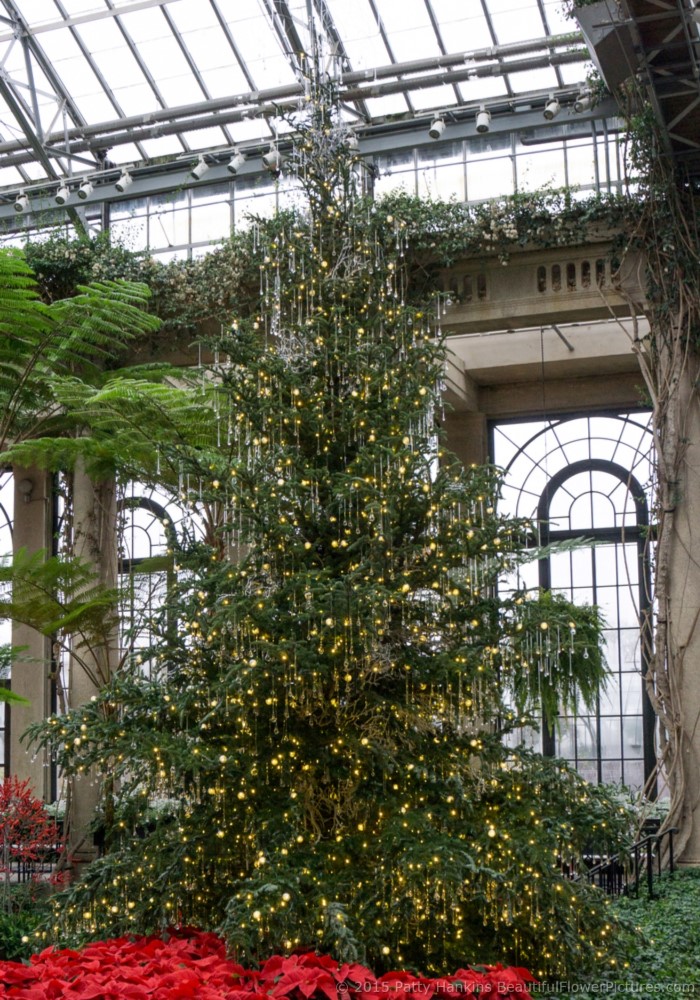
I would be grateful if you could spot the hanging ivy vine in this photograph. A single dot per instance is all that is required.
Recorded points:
(665, 229)
(188, 295)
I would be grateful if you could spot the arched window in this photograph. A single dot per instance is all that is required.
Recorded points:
(590, 477)
(152, 528)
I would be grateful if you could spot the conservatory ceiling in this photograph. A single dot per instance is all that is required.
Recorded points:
(90, 87)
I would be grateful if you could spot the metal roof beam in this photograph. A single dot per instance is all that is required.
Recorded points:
(70, 22)
(31, 48)
(176, 175)
(35, 142)
(263, 101)
(274, 109)
(332, 33)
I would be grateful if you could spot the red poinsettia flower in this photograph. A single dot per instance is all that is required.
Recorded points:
(192, 965)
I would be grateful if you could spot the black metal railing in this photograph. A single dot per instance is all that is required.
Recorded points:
(622, 874)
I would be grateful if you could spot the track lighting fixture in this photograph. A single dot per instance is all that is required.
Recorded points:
(199, 169)
(236, 162)
(352, 142)
(62, 195)
(551, 108)
(85, 189)
(125, 181)
(437, 127)
(483, 120)
(272, 160)
(21, 203)
(583, 101)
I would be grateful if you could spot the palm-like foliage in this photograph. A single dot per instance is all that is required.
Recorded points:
(61, 597)
(38, 343)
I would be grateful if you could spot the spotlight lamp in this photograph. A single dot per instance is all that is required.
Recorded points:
(352, 142)
(236, 162)
(125, 181)
(583, 101)
(272, 160)
(62, 195)
(199, 169)
(483, 120)
(85, 189)
(21, 203)
(551, 108)
(437, 127)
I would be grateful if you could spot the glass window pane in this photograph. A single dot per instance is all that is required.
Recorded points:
(489, 179)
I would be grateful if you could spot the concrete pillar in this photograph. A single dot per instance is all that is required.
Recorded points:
(30, 671)
(95, 542)
(466, 436)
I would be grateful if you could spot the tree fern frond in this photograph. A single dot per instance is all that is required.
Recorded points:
(54, 595)
(79, 336)
(99, 322)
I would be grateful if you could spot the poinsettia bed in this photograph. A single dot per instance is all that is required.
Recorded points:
(192, 964)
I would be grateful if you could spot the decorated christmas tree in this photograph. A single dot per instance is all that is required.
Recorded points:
(321, 754)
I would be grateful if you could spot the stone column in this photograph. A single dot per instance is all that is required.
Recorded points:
(30, 671)
(95, 542)
(466, 436)
(684, 603)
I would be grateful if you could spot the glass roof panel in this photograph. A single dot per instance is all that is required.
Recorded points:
(433, 98)
(482, 88)
(391, 104)
(210, 50)
(557, 21)
(414, 43)
(360, 33)
(190, 17)
(146, 25)
(535, 79)
(99, 36)
(164, 146)
(128, 153)
(463, 29)
(165, 60)
(401, 16)
(151, 56)
(573, 72)
(519, 23)
(40, 11)
(135, 97)
(10, 176)
(76, 7)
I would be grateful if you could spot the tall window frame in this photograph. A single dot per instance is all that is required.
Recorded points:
(590, 475)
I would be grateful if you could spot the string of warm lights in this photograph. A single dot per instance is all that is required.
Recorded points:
(320, 756)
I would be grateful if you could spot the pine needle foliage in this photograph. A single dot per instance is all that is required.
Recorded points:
(323, 751)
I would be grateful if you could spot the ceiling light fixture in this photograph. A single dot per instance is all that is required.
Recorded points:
(236, 162)
(483, 120)
(551, 108)
(583, 101)
(21, 203)
(62, 195)
(437, 127)
(272, 160)
(125, 181)
(85, 189)
(199, 169)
